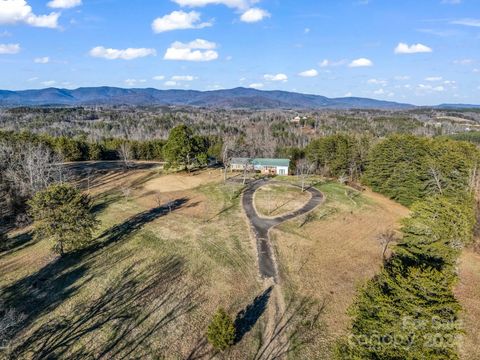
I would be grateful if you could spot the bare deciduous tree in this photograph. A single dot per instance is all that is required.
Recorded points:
(304, 170)
(386, 238)
(125, 153)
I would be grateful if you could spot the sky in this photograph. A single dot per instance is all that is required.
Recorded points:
(422, 52)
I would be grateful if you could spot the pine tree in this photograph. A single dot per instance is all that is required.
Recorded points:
(221, 331)
(62, 215)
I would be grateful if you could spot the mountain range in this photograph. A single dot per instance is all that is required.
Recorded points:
(238, 98)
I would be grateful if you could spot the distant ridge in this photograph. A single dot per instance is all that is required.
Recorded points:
(241, 98)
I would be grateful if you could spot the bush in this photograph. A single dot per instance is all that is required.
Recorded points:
(221, 331)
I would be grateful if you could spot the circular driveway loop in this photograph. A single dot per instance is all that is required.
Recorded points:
(262, 226)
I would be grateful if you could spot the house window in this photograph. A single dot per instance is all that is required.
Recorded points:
(281, 171)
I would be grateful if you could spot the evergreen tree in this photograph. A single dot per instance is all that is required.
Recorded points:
(183, 148)
(62, 215)
(221, 331)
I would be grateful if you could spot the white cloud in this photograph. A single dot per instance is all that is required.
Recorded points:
(403, 48)
(179, 20)
(159, 77)
(430, 88)
(277, 77)
(379, 92)
(309, 73)
(9, 49)
(256, 86)
(254, 15)
(467, 22)
(192, 51)
(348, 94)
(42, 60)
(170, 83)
(48, 83)
(18, 11)
(433, 78)
(307, 30)
(377, 82)
(476, 70)
(402, 77)
(463, 61)
(133, 82)
(64, 4)
(328, 63)
(126, 54)
(237, 4)
(183, 78)
(33, 79)
(362, 62)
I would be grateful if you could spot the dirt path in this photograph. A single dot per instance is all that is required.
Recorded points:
(261, 226)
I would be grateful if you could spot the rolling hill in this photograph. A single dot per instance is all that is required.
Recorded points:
(232, 98)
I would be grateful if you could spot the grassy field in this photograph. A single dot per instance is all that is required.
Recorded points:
(172, 248)
(330, 255)
(276, 199)
(150, 283)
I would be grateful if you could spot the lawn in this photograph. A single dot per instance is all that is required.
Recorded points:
(277, 199)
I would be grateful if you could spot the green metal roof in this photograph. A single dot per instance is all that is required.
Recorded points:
(262, 162)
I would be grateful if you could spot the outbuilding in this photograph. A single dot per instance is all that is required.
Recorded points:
(264, 166)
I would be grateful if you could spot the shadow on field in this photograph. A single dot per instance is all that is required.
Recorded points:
(129, 315)
(248, 317)
(43, 291)
(299, 325)
(16, 243)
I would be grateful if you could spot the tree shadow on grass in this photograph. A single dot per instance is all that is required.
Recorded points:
(298, 326)
(121, 323)
(16, 243)
(44, 290)
(248, 317)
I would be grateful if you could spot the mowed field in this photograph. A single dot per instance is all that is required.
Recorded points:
(170, 249)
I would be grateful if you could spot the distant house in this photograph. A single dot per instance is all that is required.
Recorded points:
(265, 166)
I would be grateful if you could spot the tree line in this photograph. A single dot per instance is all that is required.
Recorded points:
(409, 310)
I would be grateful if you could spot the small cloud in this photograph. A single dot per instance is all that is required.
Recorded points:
(42, 60)
(159, 77)
(402, 77)
(33, 79)
(254, 15)
(179, 20)
(377, 82)
(452, 2)
(256, 86)
(307, 30)
(126, 54)
(133, 82)
(433, 78)
(362, 62)
(348, 94)
(9, 49)
(329, 63)
(309, 73)
(403, 48)
(466, 22)
(463, 61)
(64, 4)
(183, 78)
(48, 83)
(197, 50)
(170, 83)
(277, 77)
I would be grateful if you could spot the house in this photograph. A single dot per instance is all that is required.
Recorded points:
(265, 166)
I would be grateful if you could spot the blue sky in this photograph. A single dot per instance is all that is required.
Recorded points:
(416, 51)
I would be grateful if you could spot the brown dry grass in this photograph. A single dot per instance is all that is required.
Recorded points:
(468, 293)
(328, 258)
(208, 235)
(277, 199)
